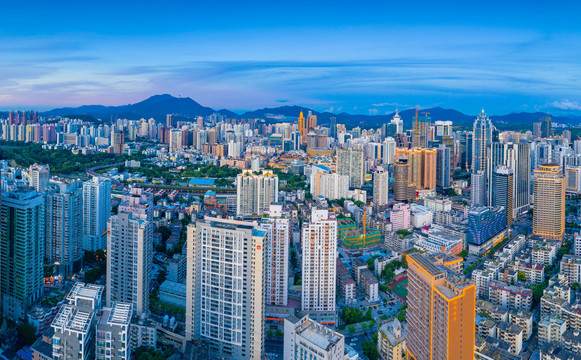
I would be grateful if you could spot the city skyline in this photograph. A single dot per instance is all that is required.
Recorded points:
(361, 60)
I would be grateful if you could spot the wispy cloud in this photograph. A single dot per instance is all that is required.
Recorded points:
(567, 105)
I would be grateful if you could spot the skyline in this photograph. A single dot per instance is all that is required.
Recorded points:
(339, 58)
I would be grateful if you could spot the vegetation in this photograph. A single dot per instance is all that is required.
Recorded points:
(212, 171)
(495, 248)
(538, 290)
(60, 161)
(463, 254)
(474, 265)
(388, 272)
(293, 258)
(370, 348)
(403, 232)
(521, 276)
(401, 316)
(26, 333)
(354, 315)
(145, 353)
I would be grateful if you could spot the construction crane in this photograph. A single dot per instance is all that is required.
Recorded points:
(364, 219)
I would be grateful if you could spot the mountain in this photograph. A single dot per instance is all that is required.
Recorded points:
(157, 106)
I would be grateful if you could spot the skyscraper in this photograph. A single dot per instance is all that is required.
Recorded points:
(118, 142)
(422, 166)
(441, 310)
(96, 212)
(255, 193)
(39, 177)
(319, 262)
(381, 187)
(130, 251)
(478, 188)
(517, 157)
(302, 126)
(389, 147)
(175, 140)
(64, 233)
(311, 122)
(481, 140)
(22, 240)
(333, 127)
(443, 167)
(350, 162)
(277, 242)
(502, 189)
(421, 130)
(402, 189)
(549, 202)
(546, 126)
(398, 122)
(226, 287)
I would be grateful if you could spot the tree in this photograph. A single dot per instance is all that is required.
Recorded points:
(370, 350)
(538, 290)
(575, 286)
(293, 258)
(351, 328)
(364, 326)
(521, 276)
(27, 333)
(463, 253)
(278, 333)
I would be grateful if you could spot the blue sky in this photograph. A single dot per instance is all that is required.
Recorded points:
(366, 57)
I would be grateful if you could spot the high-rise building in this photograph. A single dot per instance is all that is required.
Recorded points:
(478, 188)
(466, 150)
(118, 142)
(502, 189)
(546, 126)
(255, 193)
(398, 122)
(441, 311)
(130, 251)
(481, 140)
(226, 287)
(443, 167)
(306, 339)
(74, 324)
(113, 332)
(422, 166)
(333, 127)
(64, 234)
(22, 241)
(277, 238)
(402, 189)
(350, 162)
(549, 202)
(311, 122)
(331, 186)
(319, 262)
(573, 179)
(381, 187)
(389, 147)
(175, 140)
(39, 177)
(302, 126)
(484, 223)
(518, 158)
(96, 212)
(421, 131)
(537, 130)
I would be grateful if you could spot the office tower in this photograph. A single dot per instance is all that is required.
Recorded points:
(226, 287)
(118, 142)
(517, 157)
(113, 332)
(422, 166)
(484, 223)
(398, 122)
(389, 147)
(441, 311)
(466, 150)
(74, 324)
(333, 128)
(478, 188)
(306, 339)
(21, 251)
(169, 121)
(311, 122)
(175, 140)
(421, 130)
(331, 186)
(64, 233)
(350, 162)
(255, 193)
(39, 177)
(96, 212)
(130, 251)
(302, 127)
(549, 202)
(443, 167)
(402, 191)
(319, 262)
(277, 242)
(546, 126)
(381, 187)
(482, 138)
(502, 189)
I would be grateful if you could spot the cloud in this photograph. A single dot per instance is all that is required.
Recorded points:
(282, 100)
(566, 105)
(373, 111)
(388, 104)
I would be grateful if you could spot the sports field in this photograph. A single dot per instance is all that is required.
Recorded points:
(401, 289)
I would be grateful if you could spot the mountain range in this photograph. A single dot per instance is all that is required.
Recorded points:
(158, 106)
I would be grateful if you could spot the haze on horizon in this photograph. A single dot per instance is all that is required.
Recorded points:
(369, 58)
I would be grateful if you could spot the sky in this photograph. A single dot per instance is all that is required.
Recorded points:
(360, 57)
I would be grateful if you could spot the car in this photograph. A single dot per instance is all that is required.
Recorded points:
(380, 312)
(354, 339)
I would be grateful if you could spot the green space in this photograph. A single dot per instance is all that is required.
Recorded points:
(401, 289)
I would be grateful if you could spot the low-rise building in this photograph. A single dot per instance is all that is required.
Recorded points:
(345, 284)
(524, 319)
(370, 286)
(485, 327)
(113, 332)
(534, 274)
(571, 340)
(551, 330)
(391, 340)
(306, 339)
(173, 293)
(571, 268)
(510, 296)
(512, 334)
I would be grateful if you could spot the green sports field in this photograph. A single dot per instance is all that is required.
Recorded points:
(401, 289)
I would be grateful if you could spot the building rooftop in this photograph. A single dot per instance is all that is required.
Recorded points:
(118, 314)
(319, 335)
(70, 318)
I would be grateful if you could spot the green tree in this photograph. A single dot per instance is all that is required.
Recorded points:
(364, 326)
(463, 253)
(521, 276)
(538, 290)
(26, 333)
(370, 350)
(351, 328)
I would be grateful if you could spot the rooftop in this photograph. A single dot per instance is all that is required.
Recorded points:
(319, 335)
(70, 318)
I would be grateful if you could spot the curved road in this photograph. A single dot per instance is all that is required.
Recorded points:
(91, 171)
